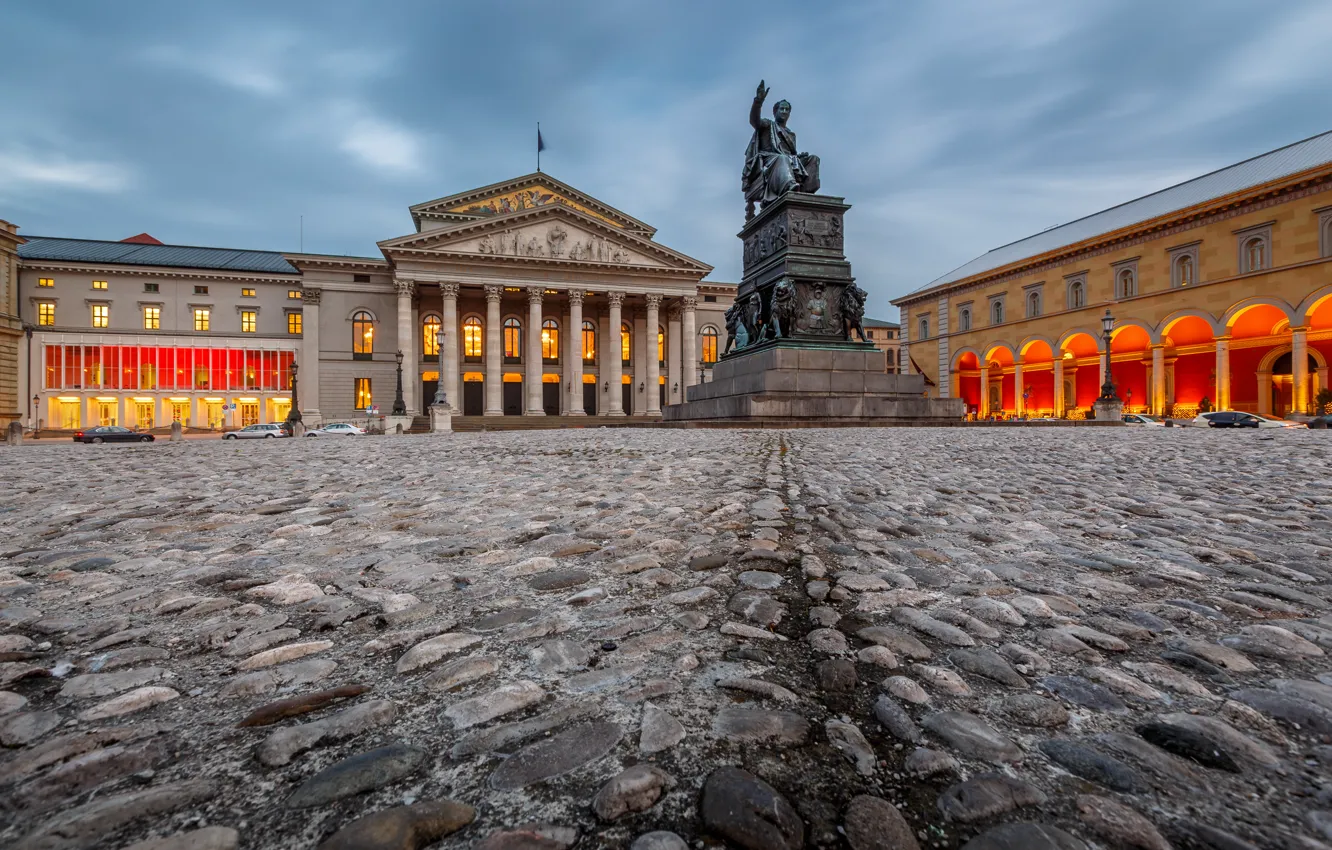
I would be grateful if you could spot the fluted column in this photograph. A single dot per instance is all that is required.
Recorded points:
(307, 375)
(494, 336)
(984, 406)
(573, 363)
(452, 341)
(1158, 380)
(405, 289)
(1222, 400)
(611, 367)
(653, 370)
(674, 362)
(533, 406)
(1299, 369)
(689, 345)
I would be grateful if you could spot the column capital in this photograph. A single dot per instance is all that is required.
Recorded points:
(534, 294)
(404, 287)
(494, 292)
(576, 296)
(674, 312)
(310, 295)
(689, 302)
(653, 300)
(616, 299)
(449, 290)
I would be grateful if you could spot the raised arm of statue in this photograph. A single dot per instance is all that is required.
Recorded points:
(756, 111)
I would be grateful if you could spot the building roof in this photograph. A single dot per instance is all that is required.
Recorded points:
(1282, 162)
(144, 239)
(879, 323)
(138, 254)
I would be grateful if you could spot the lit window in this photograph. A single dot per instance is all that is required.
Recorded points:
(247, 292)
(472, 338)
(151, 287)
(709, 345)
(513, 340)
(101, 315)
(201, 319)
(46, 281)
(293, 293)
(248, 322)
(661, 346)
(363, 399)
(430, 335)
(46, 313)
(1255, 255)
(99, 284)
(200, 290)
(1033, 304)
(963, 320)
(1126, 283)
(1076, 296)
(1184, 270)
(152, 318)
(626, 347)
(923, 327)
(550, 341)
(293, 323)
(589, 342)
(363, 335)
(997, 313)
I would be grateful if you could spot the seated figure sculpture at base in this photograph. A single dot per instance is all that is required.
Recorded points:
(773, 166)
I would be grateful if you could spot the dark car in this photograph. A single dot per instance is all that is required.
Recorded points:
(111, 434)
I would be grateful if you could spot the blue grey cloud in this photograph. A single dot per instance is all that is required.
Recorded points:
(952, 127)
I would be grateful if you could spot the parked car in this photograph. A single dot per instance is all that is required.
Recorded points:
(1239, 419)
(1142, 419)
(111, 434)
(259, 432)
(337, 429)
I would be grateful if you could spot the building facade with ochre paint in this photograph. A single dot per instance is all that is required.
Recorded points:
(1220, 288)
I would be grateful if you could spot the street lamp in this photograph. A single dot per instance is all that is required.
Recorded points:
(294, 412)
(36, 399)
(441, 395)
(1107, 388)
(399, 406)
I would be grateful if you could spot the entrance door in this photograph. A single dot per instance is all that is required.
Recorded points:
(550, 399)
(143, 414)
(627, 398)
(180, 412)
(1283, 393)
(513, 398)
(662, 403)
(106, 413)
(474, 398)
(590, 399)
(213, 413)
(428, 390)
(996, 398)
(249, 413)
(69, 414)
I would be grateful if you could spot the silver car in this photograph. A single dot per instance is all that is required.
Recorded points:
(337, 429)
(258, 432)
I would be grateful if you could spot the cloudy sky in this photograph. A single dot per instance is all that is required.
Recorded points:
(952, 127)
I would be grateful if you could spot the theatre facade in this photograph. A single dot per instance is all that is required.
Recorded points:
(545, 300)
(1220, 289)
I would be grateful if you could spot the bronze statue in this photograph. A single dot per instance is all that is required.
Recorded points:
(783, 308)
(772, 165)
(732, 327)
(853, 311)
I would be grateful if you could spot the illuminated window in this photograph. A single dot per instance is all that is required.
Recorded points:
(709, 345)
(293, 293)
(247, 292)
(661, 346)
(152, 318)
(430, 335)
(363, 399)
(626, 347)
(550, 341)
(200, 290)
(248, 321)
(201, 319)
(46, 313)
(472, 339)
(1184, 271)
(589, 342)
(101, 315)
(963, 320)
(363, 335)
(46, 281)
(513, 341)
(293, 323)
(99, 284)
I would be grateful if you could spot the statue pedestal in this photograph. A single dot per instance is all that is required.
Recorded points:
(1108, 411)
(441, 419)
(396, 425)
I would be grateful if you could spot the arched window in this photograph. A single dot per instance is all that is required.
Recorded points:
(1077, 296)
(661, 346)
(1255, 254)
(1184, 271)
(963, 320)
(589, 342)
(1033, 304)
(709, 345)
(550, 341)
(513, 340)
(997, 313)
(363, 335)
(923, 328)
(1126, 283)
(430, 335)
(626, 347)
(473, 339)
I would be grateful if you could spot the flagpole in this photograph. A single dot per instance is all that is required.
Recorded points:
(538, 147)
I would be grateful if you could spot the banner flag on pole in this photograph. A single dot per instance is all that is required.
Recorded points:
(541, 145)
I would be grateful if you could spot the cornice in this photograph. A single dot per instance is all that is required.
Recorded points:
(533, 178)
(324, 261)
(157, 271)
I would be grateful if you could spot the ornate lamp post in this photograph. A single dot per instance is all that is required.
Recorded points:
(1108, 388)
(294, 414)
(399, 406)
(36, 399)
(441, 395)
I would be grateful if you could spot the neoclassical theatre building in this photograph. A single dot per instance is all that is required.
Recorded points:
(547, 301)
(1220, 288)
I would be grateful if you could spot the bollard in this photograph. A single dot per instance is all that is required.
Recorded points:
(176, 432)
(15, 434)
(298, 429)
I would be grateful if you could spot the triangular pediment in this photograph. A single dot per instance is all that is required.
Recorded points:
(551, 233)
(531, 191)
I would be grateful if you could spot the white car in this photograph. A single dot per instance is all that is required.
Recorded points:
(336, 429)
(1142, 419)
(1240, 419)
(258, 432)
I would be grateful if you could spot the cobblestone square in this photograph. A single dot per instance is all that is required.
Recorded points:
(1046, 639)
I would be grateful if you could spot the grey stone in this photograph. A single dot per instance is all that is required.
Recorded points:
(760, 579)
(559, 580)
(1119, 824)
(659, 840)
(757, 607)
(972, 736)
(402, 827)
(358, 774)
(660, 731)
(926, 762)
(500, 619)
(556, 755)
(924, 623)
(1079, 691)
(19, 730)
(282, 746)
(1033, 710)
(85, 825)
(987, 663)
(836, 675)
(506, 699)
(1025, 836)
(207, 838)
(1091, 765)
(754, 725)
(635, 789)
(749, 813)
(895, 719)
(1298, 713)
(558, 656)
(873, 823)
(986, 795)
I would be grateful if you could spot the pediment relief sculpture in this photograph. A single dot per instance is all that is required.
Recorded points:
(554, 240)
(526, 199)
